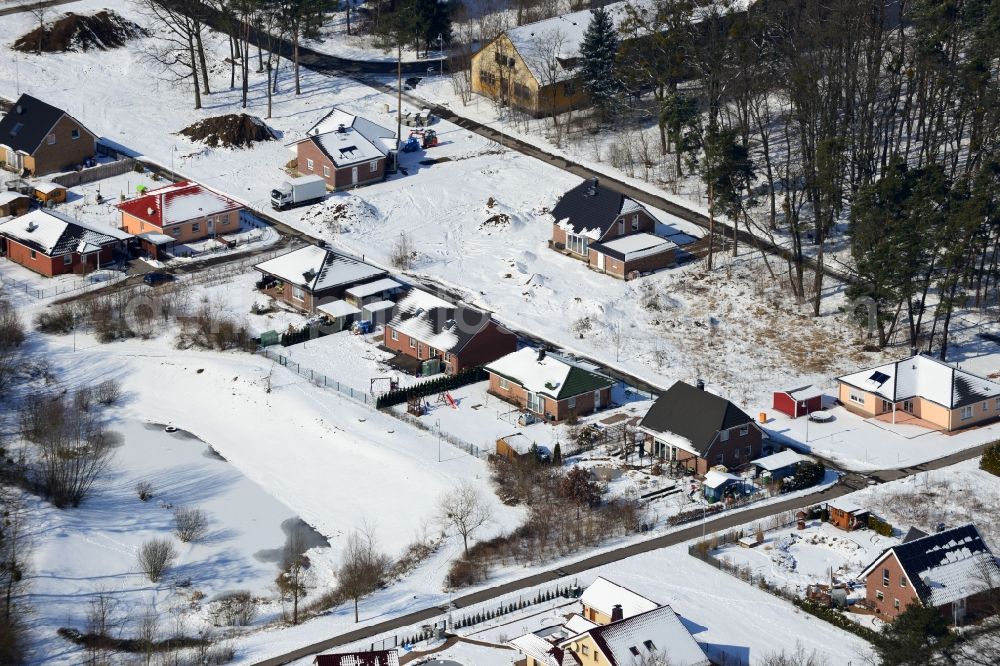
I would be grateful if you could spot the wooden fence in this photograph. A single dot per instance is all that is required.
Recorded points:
(98, 172)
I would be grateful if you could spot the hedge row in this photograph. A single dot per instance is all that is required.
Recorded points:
(438, 385)
(302, 335)
(879, 526)
(991, 458)
(836, 618)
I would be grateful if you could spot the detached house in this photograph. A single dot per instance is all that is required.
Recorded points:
(698, 430)
(426, 329)
(547, 387)
(920, 387)
(311, 276)
(51, 243)
(612, 233)
(953, 570)
(604, 599)
(180, 213)
(37, 138)
(346, 151)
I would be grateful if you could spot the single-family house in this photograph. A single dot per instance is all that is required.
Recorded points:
(429, 331)
(798, 402)
(778, 465)
(547, 386)
(183, 211)
(541, 647)
(847, 514)
(346, 150)
(312, 275)
(13, 204)
(52, 243)
(604, 600)
(938, 394)
(697, 429)
(535, 67)
(612, 233)
(953, 570)
(370, 658)
(37, 138)
(653, 634)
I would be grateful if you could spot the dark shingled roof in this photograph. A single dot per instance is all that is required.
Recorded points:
(693, 414)
(918, 555)
(28, 123)
(589, 207)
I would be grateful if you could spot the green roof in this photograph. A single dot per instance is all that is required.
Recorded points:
(581, 381)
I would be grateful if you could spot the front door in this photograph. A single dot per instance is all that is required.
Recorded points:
(908, 406)
(597, 400)
(211, 226)
(600, 261)
(886, 407)
(354, 175)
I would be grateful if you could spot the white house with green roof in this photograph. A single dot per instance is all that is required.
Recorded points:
(546, 386)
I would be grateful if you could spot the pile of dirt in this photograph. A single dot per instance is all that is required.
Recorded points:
(102, 31)
(341, 214)
(229, 131)
(498, 221)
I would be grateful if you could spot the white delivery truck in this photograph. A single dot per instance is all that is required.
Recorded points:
(298, 192)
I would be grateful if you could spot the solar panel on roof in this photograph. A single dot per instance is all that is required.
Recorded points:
(879, 378)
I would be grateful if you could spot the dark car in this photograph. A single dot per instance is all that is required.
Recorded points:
(153, 279)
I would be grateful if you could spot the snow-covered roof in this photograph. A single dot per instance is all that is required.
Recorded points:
(804, 392)
(924, 377)
(46, 187)
(536, 647)
(845, 504)
(156, 238)
(378, 306)
(947, 566)
(716, 479)
(543, 373)
(436, 322)
(7, 197)
(178, 203)
(636, 246)
(348, 139)
(316, 269)
(368, 658)
(519, 442)
(647, 635)
(338, 309)
(603, 595)
(55, 234)
(372, 288)
(779, 460)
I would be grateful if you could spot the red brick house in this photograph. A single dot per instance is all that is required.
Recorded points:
(313, 275)
(51, 243)
(37, 138)
(697, 429)
(183, 211)
(346, 151)
(426, 328)
(612, 233)
(547, 387)
(953, 570)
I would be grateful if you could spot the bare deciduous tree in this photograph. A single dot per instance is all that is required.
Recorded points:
(108, 392)
(294, 579)
(402, 253)
(155, 557)
(363, 567)
(11, 337)
(14, 559)
(176, 51)
(465, 509)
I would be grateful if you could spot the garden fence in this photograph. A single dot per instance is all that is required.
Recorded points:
(317, 378)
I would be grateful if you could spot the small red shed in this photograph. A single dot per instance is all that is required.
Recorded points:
(798, 402)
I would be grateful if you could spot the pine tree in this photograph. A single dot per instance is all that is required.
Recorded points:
(918, 635)
(557, 455)
(598, 56)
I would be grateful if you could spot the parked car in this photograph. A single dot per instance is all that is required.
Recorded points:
(153, 279)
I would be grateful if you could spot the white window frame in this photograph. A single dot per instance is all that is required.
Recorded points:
(394, 334)
(966, 412)
(309, 164)
(413, 343)
(536, 403)
(67, 260)
(856, 397)
(326, 171)
(74, 134)
(749, 450)
(879, 595)
(503, 383)
(571, 402)
(724, 435)
(298, 293)
(578, 244)
(373, 166)
(635, 222)
(621, 227)
(195, 227)
(986, 406)
(51, 139)
(997, 403)
(744, 430)
(34, 255)
(176, 231)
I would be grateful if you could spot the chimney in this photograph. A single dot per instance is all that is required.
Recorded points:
(593, 183)
(541, 354)
(340, 128)
(913, 351)
(700, 384)
(19, 109)
(616, 613)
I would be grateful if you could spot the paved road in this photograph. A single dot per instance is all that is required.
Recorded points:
(17, 9)
(726, 521)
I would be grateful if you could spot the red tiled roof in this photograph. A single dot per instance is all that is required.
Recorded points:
(176, 203)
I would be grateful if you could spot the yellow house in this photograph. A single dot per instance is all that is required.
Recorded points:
(535, 67)
(939, 394)
(604, 599)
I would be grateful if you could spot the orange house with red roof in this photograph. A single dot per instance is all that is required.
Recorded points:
(183, 211)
